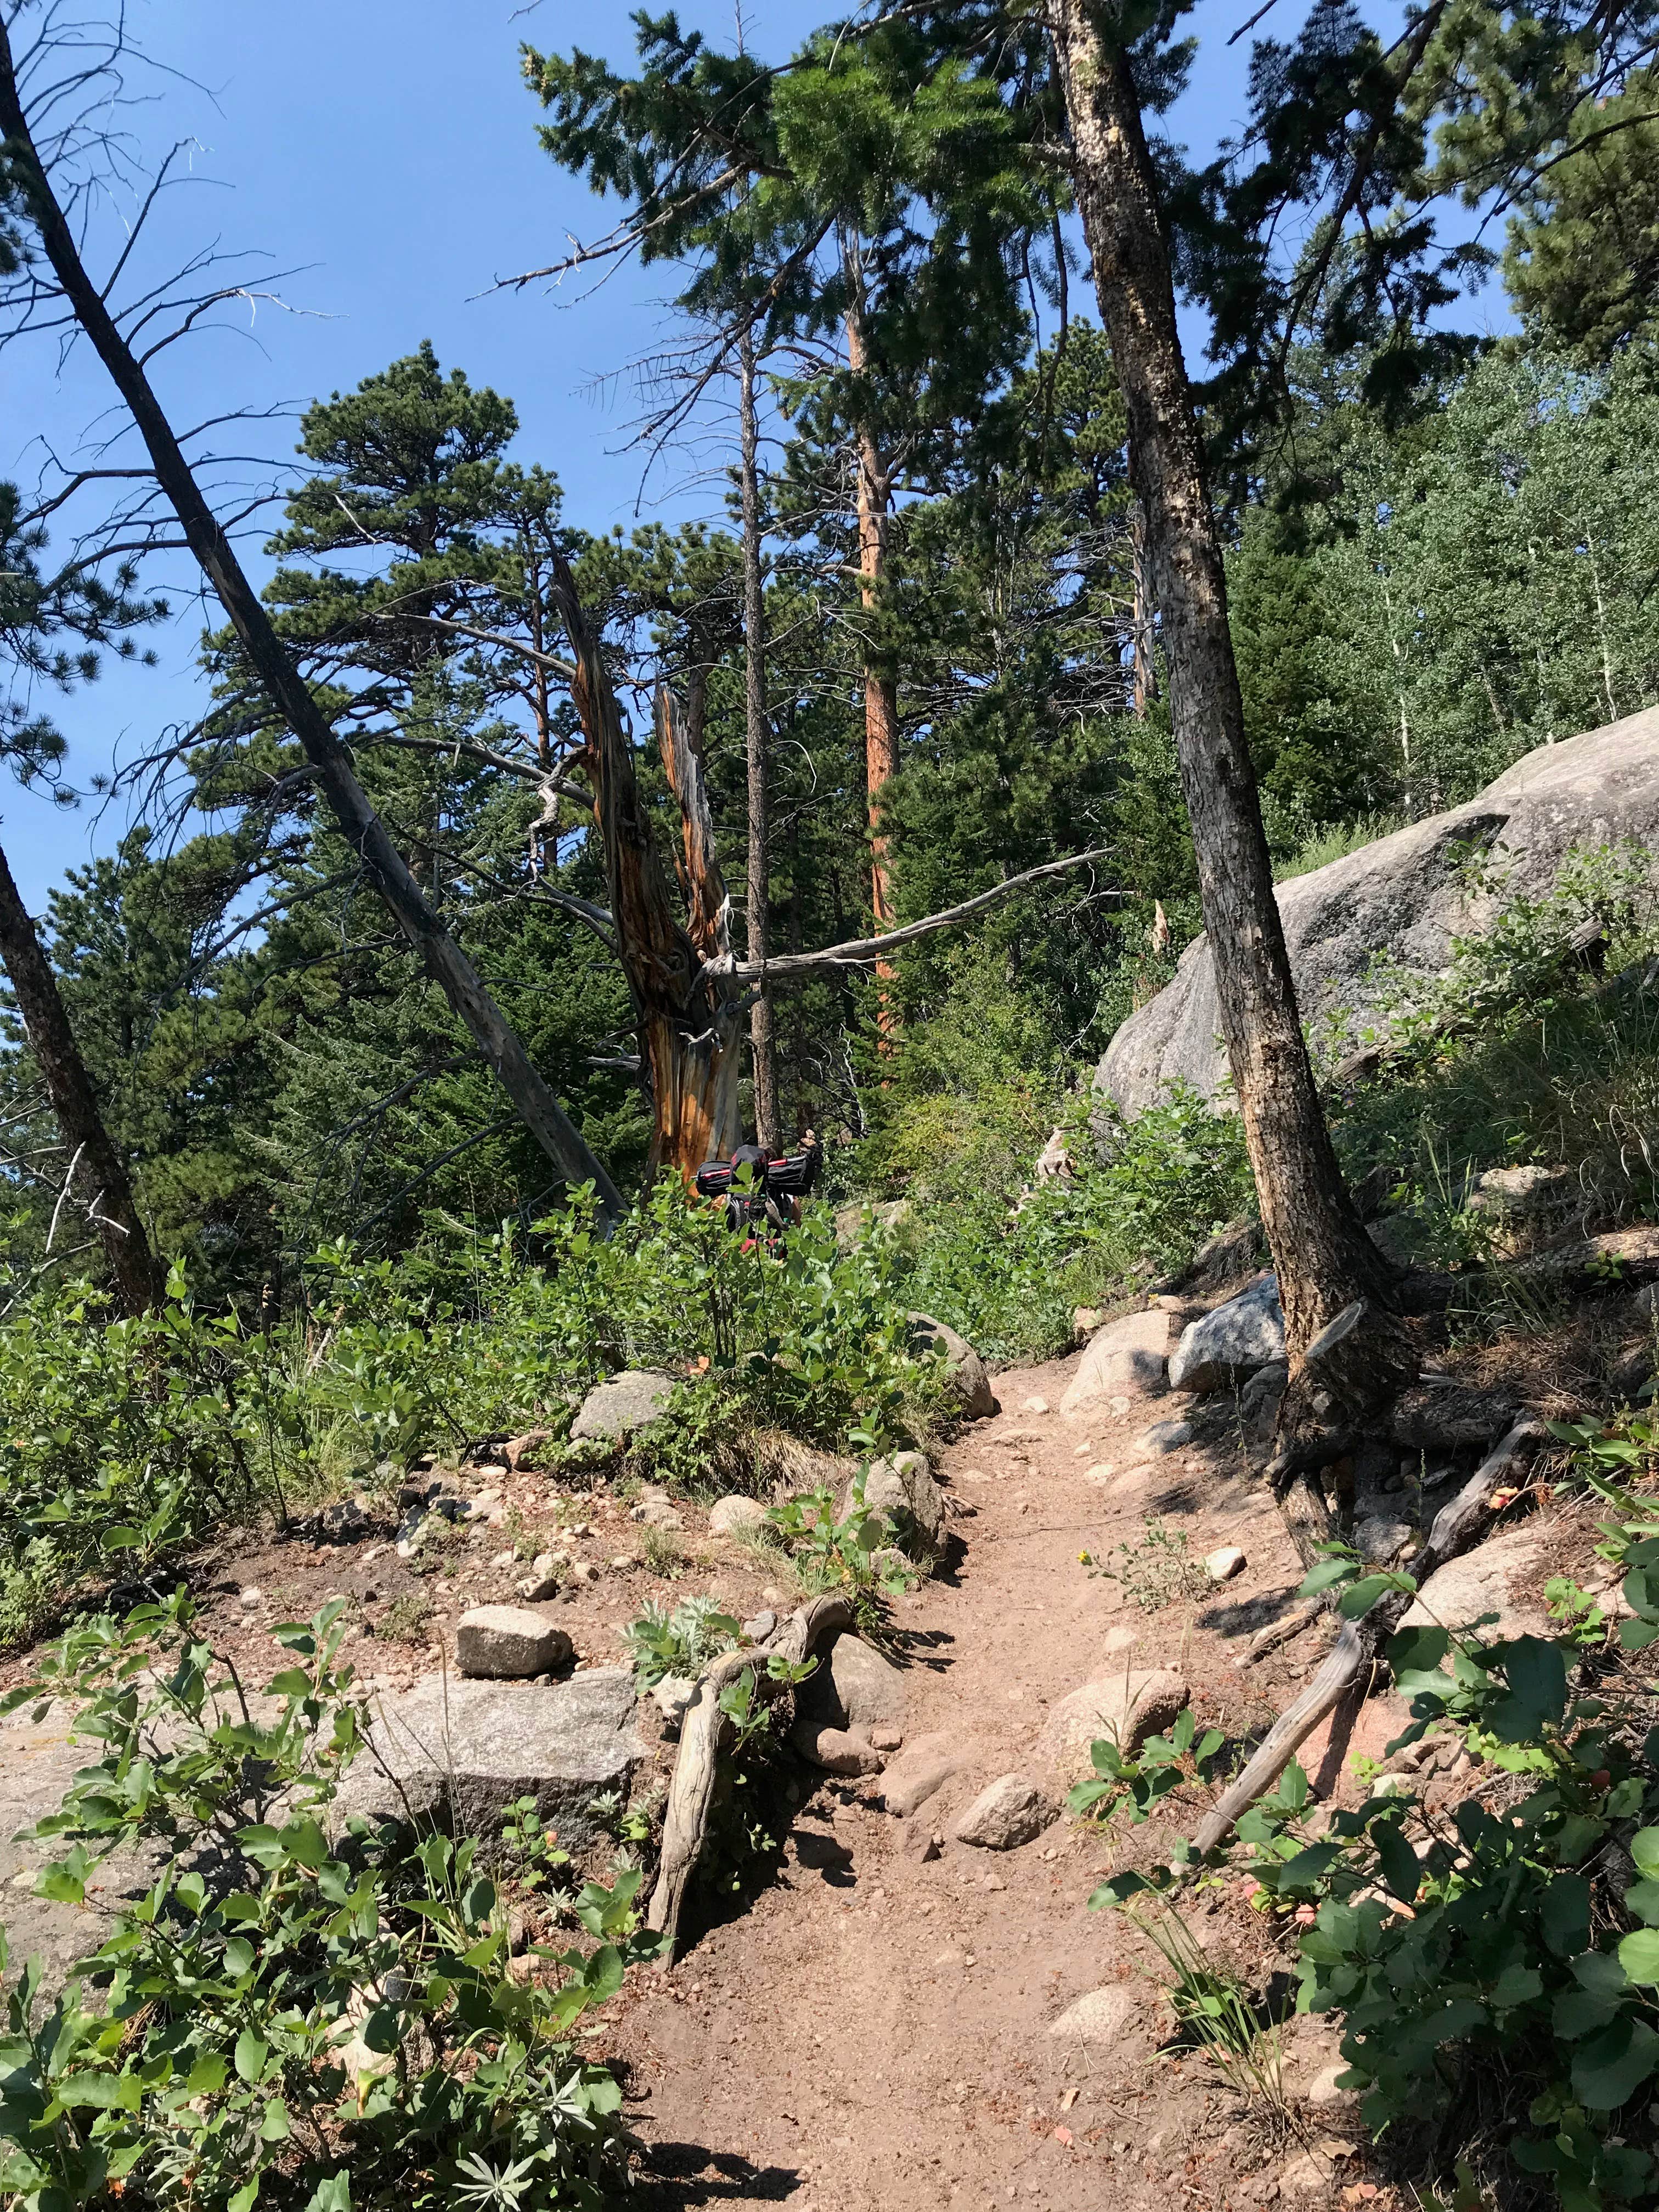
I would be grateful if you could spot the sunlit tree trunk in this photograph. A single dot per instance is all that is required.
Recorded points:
(1325, 1260)
(94, 1167)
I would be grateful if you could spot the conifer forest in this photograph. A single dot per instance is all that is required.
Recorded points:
(828, 1323)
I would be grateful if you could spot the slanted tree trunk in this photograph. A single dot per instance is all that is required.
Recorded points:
(98, 1167)
(1325, 1260)
(279, 673)
(880, 693)
(768, 1132)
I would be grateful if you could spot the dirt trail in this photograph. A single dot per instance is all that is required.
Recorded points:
(874, 2029)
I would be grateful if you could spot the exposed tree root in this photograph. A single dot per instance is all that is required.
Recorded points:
(691, 1793)
(1360, 1643)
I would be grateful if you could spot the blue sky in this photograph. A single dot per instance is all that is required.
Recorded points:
(383, 152)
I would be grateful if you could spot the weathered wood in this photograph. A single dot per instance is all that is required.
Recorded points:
(1302, 1615)
(691, 1792)
(1361, 1642)
(685, 1002)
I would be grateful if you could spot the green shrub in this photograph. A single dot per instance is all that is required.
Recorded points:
(1495, 1958)
(287, 2015)
(1009, 1280)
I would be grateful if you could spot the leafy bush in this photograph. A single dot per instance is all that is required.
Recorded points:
(680, 1642)
(308, 2019)
(121, 1439)
(1496, 1959)
(1009, 1280)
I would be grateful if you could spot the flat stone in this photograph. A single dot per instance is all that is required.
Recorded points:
(671, 1696)
(1524, 1190)
(1222, 1565)
(1006, 1812)
(1127, 1707)
(1380, 1538)
(921, 1770)
(536, 1589)
(460, 1752)
(506, 1642)
(965, 1371)
(656, 1509)
(619, 1409)
(760, 1627)
(731, 1516)
(1100, 2016)
(1034, 1405)
(1231, 1341)
(1126, 1358)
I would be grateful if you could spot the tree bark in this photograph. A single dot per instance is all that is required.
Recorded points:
(1325, 1260)
(278, 672)
(768, 1132)
(686, 996)
(1144, 667)
(139, 1281)
(880, 693)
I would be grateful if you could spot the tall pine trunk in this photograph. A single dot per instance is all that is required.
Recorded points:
(880, 693)
(95, 1165)
(1325, 1260)
(279, 673)
(768, 1132)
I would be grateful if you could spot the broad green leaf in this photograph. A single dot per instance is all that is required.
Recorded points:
(1563, 1915)
(1358, 1601)
(207, 2077)
(251, 2053)
(1644, 1849)
(1612, 2065)
(1639, 1954)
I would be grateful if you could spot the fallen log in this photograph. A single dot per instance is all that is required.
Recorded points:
(691, 1792)
(1361, 1642)
(1618, 1257)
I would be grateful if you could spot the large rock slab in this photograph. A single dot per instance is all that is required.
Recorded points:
(1231, 1342)
(459, 1753)
(1505, 1575)
(1125, 1707)
(616, 1410)
(965, 1371)
(1124, 1359)
(38, 1762)
(1405, 896)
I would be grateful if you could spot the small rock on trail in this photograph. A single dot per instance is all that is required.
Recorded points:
(1011, 1811)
